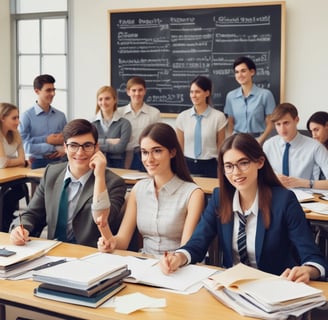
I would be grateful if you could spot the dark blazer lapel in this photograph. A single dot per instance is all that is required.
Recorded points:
(260, 233)
(227, 233)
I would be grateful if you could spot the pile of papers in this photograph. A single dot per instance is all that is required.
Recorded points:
(254, 293)
(81, 281)
(23, 258)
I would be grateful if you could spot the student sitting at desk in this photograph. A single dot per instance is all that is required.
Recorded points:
(257, 220)
(11, 155)
(296, 159)
(73, 196)
(165, 207)
(318, 127)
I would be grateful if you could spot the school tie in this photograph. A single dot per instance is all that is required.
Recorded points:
(198, 136)
(285, 160)
(60, 232)
(241, 240)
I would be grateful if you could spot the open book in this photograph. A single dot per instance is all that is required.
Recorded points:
(255, 293)
(147, 271)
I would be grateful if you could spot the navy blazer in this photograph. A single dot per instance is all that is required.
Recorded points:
(274, 247)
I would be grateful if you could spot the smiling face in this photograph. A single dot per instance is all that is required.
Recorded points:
(106, 102)
(243, 75)
(10, 122)
(46, 94)
(198, 96)
(79, 160)
(137, 94)
(155, 157)
(243, 177)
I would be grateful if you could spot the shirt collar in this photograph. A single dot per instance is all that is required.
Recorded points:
(38, 110)
(253, 209)
(82, 179)
(255, 89)
(170, 187)
(142, 109)
(282, 142)
(116, 116)
(204, 114)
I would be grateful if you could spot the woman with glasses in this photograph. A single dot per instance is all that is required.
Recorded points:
(114, 131)
(257, 220)
(165, 207)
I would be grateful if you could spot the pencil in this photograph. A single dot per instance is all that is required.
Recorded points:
(21, 223)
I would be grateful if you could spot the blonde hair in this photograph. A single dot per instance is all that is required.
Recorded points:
(111, 91)
(5, 110)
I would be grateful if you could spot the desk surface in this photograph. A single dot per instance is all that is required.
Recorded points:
(15, 173)
(201, 305)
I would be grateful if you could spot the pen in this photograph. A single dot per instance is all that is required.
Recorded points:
(167, 261)
(21, 223)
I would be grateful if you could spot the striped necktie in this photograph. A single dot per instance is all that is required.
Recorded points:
(241, 240)
(61, 227)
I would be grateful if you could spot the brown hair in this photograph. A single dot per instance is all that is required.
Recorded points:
(79, 127)
(266, 179)
(165, 135)
(282, 109)
(135, 80)
(111, 91)
(5, 110)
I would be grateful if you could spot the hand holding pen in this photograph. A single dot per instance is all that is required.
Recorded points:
(19, 236)
(171, 261)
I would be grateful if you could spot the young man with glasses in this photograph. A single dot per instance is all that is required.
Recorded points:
(95, 195)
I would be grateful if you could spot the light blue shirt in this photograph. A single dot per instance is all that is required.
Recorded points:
(306, 156)
(35, 125)
(249, 113)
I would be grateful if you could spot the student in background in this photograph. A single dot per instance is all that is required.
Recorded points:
(140, 116)
(167, 206)
(92, 193)
(296, 159)
(113, 130)
(318, 127)
(41, 126)
(257, 220)
(11, 155)
(249, 107)
(201, 129)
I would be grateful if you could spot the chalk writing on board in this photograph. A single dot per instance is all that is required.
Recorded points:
(168, 48)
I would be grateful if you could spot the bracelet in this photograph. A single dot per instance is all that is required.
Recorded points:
(311, 182)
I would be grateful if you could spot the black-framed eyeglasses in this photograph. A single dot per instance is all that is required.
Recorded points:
(241, 165)
(74, 147)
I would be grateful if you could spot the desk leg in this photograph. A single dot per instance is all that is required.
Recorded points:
(2, 312)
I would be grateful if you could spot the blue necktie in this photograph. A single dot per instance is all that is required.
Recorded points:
(285, 160)
(241, 240)
(61, 226)
(198, 136)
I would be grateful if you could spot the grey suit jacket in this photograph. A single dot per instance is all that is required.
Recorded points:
(43, 208)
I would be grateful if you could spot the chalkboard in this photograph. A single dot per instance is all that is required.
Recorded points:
(168, 48)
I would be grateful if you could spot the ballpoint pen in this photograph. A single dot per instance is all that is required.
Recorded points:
(21, 223)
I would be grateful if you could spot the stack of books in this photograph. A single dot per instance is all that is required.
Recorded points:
(81, 281)
(258, 294)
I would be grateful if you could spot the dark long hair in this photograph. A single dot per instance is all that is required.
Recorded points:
(165, 135)
(266, 179)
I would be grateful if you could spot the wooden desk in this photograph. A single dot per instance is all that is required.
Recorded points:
(207, 184)
(201, 305)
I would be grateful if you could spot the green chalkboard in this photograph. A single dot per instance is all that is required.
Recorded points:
(168, 48)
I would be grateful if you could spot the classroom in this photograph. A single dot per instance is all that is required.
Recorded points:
(305, 67)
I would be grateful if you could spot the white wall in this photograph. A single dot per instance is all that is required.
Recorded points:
(306, 50)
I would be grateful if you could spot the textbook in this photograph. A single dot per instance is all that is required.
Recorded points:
(255, 293)
(22, 254)
(102, 285)
(79, 274)
(93, 301)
